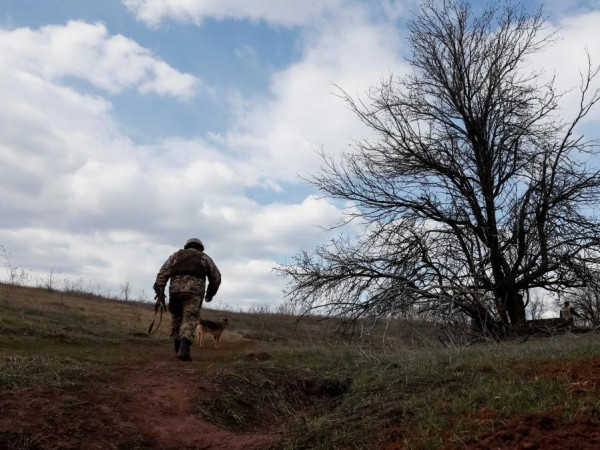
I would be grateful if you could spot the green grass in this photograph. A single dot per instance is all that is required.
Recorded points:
(435, 395)
(313, 389)
(49, 340)
(48, 372)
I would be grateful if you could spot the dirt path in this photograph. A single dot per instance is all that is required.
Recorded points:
(159, 402)
(156, 404)
(152, 405)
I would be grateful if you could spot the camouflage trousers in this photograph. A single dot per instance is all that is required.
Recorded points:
(185, 311)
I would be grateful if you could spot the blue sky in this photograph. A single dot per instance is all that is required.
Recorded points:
(127, 126)
(226, 54)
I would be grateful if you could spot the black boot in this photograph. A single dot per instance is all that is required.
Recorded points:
(184, 350)
(176, 345)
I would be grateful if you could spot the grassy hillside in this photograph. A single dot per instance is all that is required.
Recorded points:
(81, 372)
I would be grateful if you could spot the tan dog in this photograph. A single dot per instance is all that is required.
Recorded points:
(213, 328)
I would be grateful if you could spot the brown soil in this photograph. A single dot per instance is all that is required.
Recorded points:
(161, 407)
(149, 406)
(535, 432)
(154, 405)
(544, 431)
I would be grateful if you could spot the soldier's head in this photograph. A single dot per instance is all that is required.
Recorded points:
(566, 304)
(194, 243)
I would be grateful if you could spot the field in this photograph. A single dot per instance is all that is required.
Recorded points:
(81, 372)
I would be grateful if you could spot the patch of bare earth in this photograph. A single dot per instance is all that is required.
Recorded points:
(52, 420)
(159, 404)
(543, 431)
(148, 406)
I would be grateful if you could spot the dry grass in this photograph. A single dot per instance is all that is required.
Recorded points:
(309, 332)
(316, 389)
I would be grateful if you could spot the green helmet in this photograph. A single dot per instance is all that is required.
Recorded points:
(194, 243)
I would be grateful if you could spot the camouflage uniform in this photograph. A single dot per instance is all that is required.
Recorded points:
(568, 313)
(188, 270)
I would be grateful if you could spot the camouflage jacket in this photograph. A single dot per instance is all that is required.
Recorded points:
(568, 313)
(188, 270)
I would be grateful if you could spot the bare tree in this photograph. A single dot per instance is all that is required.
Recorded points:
(535, 306)
(473, 191)
(126, 291)
(586, 300)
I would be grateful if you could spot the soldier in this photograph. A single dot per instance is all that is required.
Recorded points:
(567, 312)
(188, 270)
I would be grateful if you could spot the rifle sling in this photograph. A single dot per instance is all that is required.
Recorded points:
(150, 332)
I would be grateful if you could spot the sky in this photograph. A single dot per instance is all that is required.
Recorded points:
(129, 126)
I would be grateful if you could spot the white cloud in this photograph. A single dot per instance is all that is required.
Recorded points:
(115, 210)
(284, 13)
(566, 59)
(288, 222)
(79, 197)
(251, 282)
(77, 193)
(304, 112)
(87, 51)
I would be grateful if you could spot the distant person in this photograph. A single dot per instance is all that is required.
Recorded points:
(188, 270)
(568, 313)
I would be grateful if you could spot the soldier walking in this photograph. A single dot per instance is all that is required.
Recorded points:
(188, 269)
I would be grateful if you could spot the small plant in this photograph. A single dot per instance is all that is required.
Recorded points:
(126, 291)
(49, 282)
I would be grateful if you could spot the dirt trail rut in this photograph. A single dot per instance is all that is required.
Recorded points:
(160, 403)
(149, 405)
